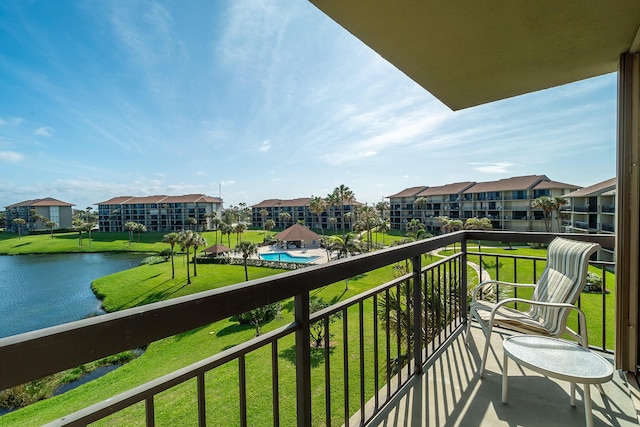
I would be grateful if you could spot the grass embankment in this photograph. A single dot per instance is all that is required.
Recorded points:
(152, 283)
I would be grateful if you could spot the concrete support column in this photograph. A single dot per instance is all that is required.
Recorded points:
(628, 213)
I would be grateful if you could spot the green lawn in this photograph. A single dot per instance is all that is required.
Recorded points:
(10, 244)
(151, 283)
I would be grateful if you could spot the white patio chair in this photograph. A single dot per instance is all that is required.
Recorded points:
(553, 298)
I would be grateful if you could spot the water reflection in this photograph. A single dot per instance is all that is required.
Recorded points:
(39, 291)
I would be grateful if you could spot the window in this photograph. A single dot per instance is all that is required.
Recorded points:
(541, 193)
(519, 194)
(54, 214)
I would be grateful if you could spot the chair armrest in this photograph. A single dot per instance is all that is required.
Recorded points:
(582, 319)
(481, 286)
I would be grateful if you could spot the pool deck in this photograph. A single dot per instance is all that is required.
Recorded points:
(320, 253)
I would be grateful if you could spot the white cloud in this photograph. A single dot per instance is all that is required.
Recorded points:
(10, 156)
(366, 153)
(266, 146)
(494, 168)
(44, 131)
(2, 123)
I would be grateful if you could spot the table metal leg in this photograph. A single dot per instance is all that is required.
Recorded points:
(505, 364)
(587, 404)
(573, 394)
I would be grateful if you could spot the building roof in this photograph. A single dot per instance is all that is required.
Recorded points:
(408, 192)
(548, 185)
(507, 184)
(471, 52)
(454, 188)
(270, 203)
(297, 233)
(605, 188)
(47, 201)
(160, 199)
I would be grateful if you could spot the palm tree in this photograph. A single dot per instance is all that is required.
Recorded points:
(226, 229)
(78, 224)
(172, 238)
(368, 218)
(198, 242)
(269, 225)
(168, 209)
(455, 225)
(90, 222)
(478, 224)
(332, 201)
(129, 226)
(284, 217)
(345, 196)
(217, 223)
(345, 245)
(20, 222)
(247, 248)
(186, 241)
(560, 202)
(139, 228)
(317, 206)
(413, 227)
(421, 203)
(192, 221)
(264, 214)
(239, 228)
(35, 217)
(51, 225)
(548, 205)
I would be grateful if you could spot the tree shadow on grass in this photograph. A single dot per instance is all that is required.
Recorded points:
(233, 328)
(317, 355)
(191, 332)
(22, 244)
(150, 297)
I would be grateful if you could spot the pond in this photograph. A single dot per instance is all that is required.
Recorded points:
(38, 291)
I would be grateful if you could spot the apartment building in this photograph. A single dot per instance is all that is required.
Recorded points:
(592, 210)
(52, 209)
(506, 202)
(160, 213)
(334, 217)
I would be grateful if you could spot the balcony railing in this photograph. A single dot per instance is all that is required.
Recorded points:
(382, 339)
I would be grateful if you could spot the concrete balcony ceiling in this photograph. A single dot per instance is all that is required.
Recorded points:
(468, 52)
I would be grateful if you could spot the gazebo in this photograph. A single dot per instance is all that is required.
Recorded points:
(216, 249)
(300, 236)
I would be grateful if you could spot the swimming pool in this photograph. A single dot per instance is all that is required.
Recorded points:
(286, 257)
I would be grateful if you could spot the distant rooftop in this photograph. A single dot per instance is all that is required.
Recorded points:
(47, 201)
(604, 188)
(161, 199)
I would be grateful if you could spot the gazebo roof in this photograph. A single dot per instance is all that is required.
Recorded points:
(217, 249)
(297, 233)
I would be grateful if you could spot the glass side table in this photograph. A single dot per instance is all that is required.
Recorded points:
(560, 359)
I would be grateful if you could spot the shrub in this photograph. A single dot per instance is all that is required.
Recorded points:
(594, 283)
(166, 254)
(150, 260)
(257, 317)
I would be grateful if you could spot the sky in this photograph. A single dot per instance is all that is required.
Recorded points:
(253, 100)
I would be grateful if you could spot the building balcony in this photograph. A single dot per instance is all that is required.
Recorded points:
(381, 362)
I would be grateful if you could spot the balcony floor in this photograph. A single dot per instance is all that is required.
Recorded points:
(450, 393)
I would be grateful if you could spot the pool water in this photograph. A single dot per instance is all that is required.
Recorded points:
(286, 257)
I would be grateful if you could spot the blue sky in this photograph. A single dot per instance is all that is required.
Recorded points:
(261, 99)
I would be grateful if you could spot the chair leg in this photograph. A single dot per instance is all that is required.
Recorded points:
(467, 331)
(485, 352)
